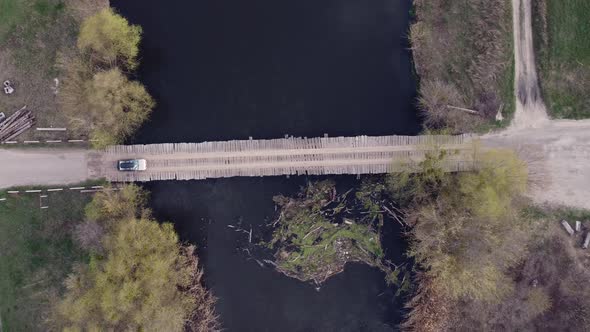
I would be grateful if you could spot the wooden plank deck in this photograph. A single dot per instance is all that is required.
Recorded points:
(274, 157)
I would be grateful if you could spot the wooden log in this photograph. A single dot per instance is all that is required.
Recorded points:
(586, 241)
(567, 227)
(578, 226)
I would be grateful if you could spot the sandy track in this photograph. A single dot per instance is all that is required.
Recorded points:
(558, 152)
(530, 109)
(42, 167)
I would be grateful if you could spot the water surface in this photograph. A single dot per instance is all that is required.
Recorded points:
(227, 69)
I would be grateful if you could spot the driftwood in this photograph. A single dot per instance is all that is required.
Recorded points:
(586, 241)
(567, 227)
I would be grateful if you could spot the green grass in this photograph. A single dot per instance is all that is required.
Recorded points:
(534, 213)
(12, 13)
(36, 253)
(564, 51)
(569, 29)
(34, 30)
(47, 8)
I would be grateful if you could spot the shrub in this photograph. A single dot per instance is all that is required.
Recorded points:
(435, 99)
(108, 206)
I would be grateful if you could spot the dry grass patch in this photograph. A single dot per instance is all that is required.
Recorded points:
(549, 295)
(463, 51)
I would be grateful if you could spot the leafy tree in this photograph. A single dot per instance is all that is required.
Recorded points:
(117, 106)
(96, 96)
(137, 286)
(490, 191)
(108, 38)
(140, 278)
(468, 233)
(112, 106)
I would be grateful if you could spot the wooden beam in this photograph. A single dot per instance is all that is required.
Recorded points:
(567, 227)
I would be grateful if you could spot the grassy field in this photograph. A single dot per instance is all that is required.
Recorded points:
(22, 21)
(12, 13)
(36, 253)
(563, 44)
(36, 38)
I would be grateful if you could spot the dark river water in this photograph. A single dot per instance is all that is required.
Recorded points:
(229, 69)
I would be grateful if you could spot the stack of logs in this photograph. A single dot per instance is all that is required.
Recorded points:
(16, 124)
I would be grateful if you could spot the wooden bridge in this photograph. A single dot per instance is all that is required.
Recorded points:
(286, 156)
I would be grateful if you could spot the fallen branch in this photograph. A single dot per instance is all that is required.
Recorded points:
(463, 109)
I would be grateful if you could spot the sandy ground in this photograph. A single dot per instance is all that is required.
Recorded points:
(42, 167)
(558, 154)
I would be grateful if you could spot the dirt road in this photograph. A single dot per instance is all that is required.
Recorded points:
(530, 109)
(24, 167)
(558, 152)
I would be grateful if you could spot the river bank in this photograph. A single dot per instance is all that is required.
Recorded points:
(463, 53)
(530, 288)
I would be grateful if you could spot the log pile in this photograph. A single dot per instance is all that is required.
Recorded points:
(16, 124)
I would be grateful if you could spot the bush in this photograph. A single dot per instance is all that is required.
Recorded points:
(107, 206)
(89, 235)
(109, 39)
